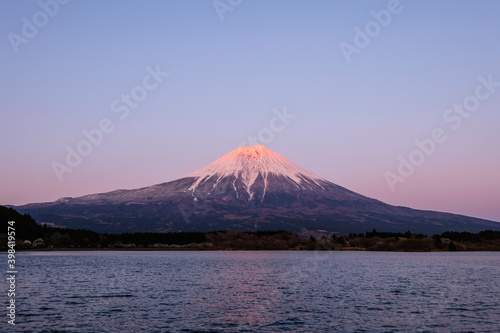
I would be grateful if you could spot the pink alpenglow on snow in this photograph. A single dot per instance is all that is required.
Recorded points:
(248, 163)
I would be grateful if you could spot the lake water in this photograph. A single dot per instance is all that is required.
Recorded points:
(256, 292)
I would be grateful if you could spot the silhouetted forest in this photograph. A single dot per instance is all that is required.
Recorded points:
(30, 235)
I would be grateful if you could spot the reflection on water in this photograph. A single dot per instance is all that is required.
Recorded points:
(258, 291)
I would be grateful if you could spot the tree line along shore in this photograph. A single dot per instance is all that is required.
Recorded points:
(31, 236)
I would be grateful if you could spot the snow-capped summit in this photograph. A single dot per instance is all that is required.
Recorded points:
(253, 167)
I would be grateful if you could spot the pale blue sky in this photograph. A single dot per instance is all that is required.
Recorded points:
(352, 120)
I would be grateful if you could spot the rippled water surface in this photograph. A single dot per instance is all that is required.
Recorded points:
(257, 292)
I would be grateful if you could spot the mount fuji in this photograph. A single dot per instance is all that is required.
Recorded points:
(250, 188)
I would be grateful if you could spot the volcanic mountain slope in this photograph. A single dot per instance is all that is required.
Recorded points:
(250, 188)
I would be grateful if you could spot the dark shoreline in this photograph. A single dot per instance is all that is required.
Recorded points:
(4, 251)
(30, 236)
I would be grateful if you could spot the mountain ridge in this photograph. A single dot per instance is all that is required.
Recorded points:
(250, 188)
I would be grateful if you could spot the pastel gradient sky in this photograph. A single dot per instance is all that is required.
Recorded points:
(352, 119)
